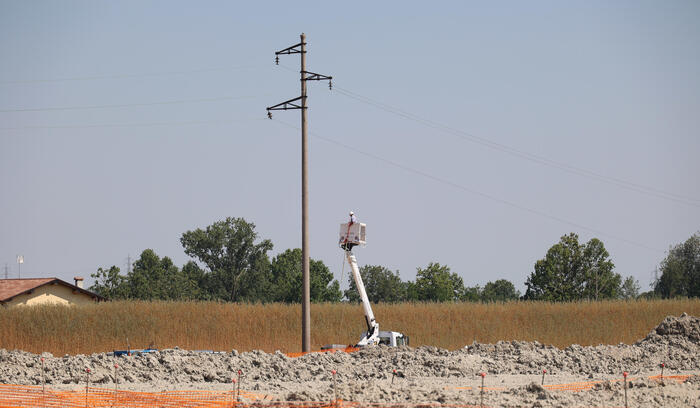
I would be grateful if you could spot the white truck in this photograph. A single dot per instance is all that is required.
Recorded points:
(352, 235)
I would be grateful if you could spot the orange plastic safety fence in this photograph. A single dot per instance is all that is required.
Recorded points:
(586, 385)
(34, 396)
(346, 349)
(12, 396)
(352, 404)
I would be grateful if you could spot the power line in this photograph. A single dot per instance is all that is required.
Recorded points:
(64, 108)
(127, 125)
(648, 190)
(473, 191)
(121, 76)
(522, 154)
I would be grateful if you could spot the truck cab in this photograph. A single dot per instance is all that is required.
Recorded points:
(391, 338)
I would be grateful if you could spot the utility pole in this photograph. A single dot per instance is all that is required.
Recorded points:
(6, 269)
(128, 263)
(300, 103)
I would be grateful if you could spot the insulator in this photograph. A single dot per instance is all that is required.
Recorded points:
(269, 114)
(277, 59)
(330, 84)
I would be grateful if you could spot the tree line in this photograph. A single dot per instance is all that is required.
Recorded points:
(231, 263)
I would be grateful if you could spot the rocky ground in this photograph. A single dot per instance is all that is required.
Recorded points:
(425, 374)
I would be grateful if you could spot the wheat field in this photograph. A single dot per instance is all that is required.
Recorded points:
(269, 327)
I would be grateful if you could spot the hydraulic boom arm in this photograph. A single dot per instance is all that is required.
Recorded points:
(372, 335)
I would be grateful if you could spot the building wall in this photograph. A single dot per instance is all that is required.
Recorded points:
(51, 294)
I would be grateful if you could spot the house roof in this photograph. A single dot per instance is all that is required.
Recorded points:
(10, 288)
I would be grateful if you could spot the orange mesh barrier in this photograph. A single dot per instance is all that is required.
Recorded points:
(679, 378)
(586, 385)
(33, 396)
(12, 396)
(352, 404)
(346, 349)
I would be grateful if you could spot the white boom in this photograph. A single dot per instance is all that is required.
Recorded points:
(353, 234)
(372, 335)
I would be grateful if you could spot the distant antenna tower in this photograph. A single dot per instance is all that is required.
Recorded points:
(128, 263)
(20, 261)
(6, 269)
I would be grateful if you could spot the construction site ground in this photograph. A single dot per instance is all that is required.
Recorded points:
(513, 375)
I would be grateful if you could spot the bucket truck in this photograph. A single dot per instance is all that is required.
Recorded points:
(353, 234)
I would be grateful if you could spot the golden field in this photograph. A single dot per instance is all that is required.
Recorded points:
(225, 326)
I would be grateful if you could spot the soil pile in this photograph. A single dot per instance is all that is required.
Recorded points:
(424, 374)
(678, 329)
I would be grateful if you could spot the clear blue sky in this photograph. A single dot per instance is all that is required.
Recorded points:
(124, 124)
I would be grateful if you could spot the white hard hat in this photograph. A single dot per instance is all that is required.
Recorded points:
(352, 213)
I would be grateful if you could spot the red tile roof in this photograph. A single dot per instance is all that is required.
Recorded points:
(10, 288)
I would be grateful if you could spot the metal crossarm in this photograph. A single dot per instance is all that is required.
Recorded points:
(286, 105)
(312, 76)
(291, 50)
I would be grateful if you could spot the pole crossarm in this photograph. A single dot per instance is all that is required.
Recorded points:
(312, 76)
(291, 50)
(286, 105)
(294, 49)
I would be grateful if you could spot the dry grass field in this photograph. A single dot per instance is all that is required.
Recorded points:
(224, 326)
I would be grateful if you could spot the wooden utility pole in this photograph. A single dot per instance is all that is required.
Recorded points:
(300, 103)
(306, 279)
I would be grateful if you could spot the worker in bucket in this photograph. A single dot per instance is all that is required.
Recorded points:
(347, 245)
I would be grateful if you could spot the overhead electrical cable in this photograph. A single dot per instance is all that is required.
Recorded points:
(519, 153)
(471, 190)
(129, 105)
(522, 154)
(121, 125)
(121, 76)
(648, 190)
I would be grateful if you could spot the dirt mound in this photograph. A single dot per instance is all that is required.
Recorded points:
(422, 374)
(684, 326)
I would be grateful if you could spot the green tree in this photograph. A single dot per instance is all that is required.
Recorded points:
(572, 271)
(630, 288)
(152, 278)
(286, 279)
(155, 278)
(190, 283)
(109, 283)
(501, 290)
(472, 294)
(680, 270)
(411, 291)
(380, 283)
(238, 265)
(437, 284)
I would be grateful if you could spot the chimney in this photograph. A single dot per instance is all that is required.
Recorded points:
(78, 281)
